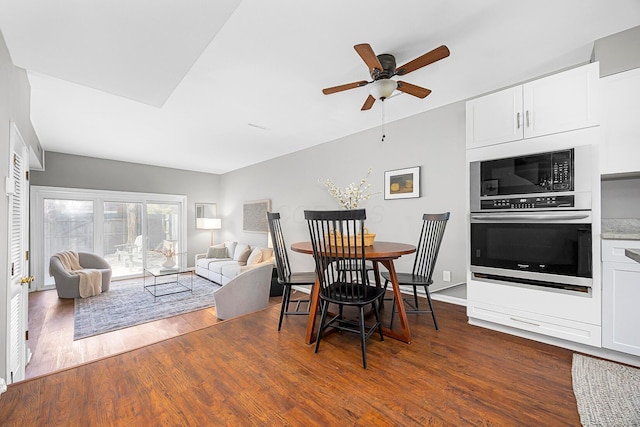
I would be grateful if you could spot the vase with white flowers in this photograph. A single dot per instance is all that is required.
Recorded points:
(350, 198)
(353, 194)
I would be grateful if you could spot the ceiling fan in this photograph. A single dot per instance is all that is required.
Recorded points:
(383, 67)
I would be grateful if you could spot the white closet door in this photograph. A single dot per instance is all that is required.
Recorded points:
(17, 350)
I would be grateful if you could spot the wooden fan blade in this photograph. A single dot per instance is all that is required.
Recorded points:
(414, 90)
(368, 56)
(424, 60)
(347, 86)
(368, 103)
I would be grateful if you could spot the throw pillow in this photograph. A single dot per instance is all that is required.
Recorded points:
(216, 252)
(267, 253)
(242, 253)
(255, 257)
(231, 248)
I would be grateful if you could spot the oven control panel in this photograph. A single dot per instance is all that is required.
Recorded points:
(544, 202)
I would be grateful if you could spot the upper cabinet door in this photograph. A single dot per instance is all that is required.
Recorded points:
(562, 102)
(621, 122)
(495, 118)
(558, 103)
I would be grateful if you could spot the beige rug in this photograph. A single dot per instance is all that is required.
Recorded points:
(607, 393)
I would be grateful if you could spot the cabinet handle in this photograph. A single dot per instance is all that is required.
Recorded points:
(518, 119)
(528, 122)
(524, 321)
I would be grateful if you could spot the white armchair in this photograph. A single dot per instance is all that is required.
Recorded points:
(245, 293)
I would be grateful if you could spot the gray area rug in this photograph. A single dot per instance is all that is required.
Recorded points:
(607, 393)
(127, 304)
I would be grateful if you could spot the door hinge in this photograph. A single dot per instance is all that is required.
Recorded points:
(26, 175)
(26, 335)
(26, 255)
(13, 269)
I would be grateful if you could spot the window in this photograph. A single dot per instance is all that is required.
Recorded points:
(68, 224)
(129, 230)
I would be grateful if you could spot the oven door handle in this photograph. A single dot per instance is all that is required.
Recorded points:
(531, 217)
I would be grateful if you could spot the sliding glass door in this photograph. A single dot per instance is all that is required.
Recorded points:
(68, 225)
(131, 231)
(122, 238)
(138, 235)
(163, 232)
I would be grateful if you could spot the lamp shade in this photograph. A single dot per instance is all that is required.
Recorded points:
(208, 223)
(381, 89)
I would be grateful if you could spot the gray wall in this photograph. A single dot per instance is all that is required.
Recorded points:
(434, 140)
(621, 198)
(22, 116)
(66, 170)
(618, 52)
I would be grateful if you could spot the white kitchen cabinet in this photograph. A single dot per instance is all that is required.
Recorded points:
(570, 316)
(620, 297)
(561, 102)
(620, 94)
(495, 118)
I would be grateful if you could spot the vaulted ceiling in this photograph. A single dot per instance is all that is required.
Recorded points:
(215, 86)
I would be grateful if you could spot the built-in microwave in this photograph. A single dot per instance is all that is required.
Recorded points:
(531, 220)
(550, 180)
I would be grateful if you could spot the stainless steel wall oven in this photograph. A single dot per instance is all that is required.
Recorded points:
(531, 221)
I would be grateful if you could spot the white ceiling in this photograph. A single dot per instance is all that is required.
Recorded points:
(214, 86)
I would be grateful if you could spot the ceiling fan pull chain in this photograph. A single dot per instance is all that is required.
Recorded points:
(383, 126)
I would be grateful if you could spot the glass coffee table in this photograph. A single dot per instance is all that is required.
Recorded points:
(168, 280)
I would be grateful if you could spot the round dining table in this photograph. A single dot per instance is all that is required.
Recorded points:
(379, 253)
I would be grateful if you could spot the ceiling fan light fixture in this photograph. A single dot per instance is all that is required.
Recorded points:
(383, 88)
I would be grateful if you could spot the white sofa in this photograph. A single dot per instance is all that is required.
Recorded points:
(225, 261)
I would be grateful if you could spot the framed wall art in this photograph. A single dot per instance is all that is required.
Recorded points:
(402, 183)
(254, 216)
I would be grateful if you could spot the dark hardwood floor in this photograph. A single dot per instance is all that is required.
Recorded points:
(51, 334)
(243, 372)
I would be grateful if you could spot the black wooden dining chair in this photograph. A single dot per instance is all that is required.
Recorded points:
(433, 226)
(336, 237)
(286, 277)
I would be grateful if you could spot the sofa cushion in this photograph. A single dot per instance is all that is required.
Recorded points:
(230, 270)
(217, 266)
(202, 262)
(231, 248)
(241, 253)
(208, 262)
(255, 257)
(217, 252)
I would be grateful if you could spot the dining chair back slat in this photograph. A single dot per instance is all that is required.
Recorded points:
(283, 266)
(431, 234)
(433, 226)
(286, 277)
(337, 240)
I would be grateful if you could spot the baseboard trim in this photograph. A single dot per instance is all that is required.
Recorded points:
(449, 299)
